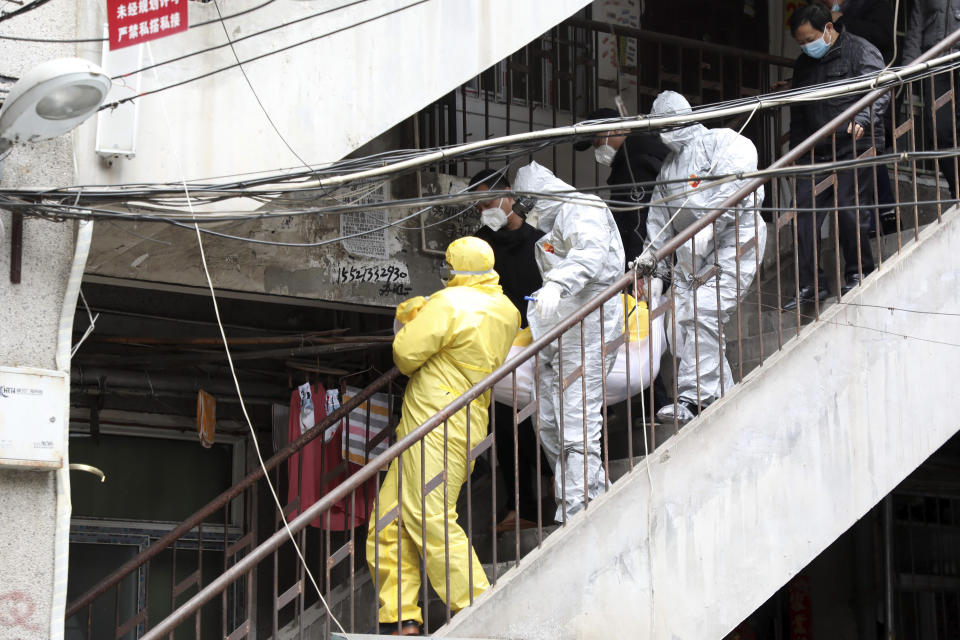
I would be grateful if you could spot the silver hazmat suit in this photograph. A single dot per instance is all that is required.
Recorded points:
(698, 151)
(583, 254)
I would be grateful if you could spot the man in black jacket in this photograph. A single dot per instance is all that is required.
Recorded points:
(930, 22)
(513, 242)
(632, 159)
(831, 56)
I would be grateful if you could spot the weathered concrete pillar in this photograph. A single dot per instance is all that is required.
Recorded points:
(29, 320)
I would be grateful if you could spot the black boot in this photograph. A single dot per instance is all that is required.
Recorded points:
(806, 297)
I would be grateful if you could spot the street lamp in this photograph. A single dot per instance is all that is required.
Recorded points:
(50, 100)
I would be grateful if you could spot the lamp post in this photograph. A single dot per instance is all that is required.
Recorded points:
(48, 101)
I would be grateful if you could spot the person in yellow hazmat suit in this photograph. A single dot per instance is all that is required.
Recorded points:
(449, 342)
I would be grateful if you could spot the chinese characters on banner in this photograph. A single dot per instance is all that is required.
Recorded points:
(135, 21)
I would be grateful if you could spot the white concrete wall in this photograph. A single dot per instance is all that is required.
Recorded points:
(747, 496)
(327, 97)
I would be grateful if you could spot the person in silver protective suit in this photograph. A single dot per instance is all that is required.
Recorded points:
(697, 151)
(580, 255)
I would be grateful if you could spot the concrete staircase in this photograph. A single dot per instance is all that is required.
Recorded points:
(695, 538)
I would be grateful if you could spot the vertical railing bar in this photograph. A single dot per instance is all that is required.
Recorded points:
(424, 581)
(896, 166)
(605, 453)
(836, 215)
(560, 414)
(936, 142)
(650, 376)
(536, 433)
(695, 291)
(516, 468)
(953, 127)
(757, 221)
(446, 511)
(469, 558)
(775, 186)
(859, 215)
(876, 192)
(583, 403)
(796, 250)
(913, 165)
(673, 359)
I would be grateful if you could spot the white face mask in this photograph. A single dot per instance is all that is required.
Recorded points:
(495, 217)
(604, 154)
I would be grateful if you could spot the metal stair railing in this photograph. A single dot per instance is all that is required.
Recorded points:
(138, 567)
(786, 220)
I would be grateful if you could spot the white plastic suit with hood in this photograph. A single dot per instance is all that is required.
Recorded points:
(582, 254)
(697, 151)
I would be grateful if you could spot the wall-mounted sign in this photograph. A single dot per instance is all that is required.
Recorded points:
(135, 21)
(33, 405)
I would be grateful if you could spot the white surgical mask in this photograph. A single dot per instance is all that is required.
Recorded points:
(494, 217)
(604, 154)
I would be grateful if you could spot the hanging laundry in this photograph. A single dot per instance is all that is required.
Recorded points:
(368, 435)
(319, 467)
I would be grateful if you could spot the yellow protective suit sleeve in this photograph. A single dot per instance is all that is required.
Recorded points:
(408, 309)
(423, 336)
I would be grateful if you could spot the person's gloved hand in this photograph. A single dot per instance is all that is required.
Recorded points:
(548, 299)
(704, 241)
(656, 288)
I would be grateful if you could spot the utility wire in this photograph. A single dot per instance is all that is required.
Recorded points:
(30, 6)
(236, 382)
(240, 39)
(233, 49)
(79, 40)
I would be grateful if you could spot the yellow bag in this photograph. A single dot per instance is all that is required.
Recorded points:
(630, 312)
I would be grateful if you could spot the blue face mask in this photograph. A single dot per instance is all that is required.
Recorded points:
(816, 49)
(836, 6)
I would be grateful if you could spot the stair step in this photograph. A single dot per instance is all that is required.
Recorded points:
(507, 543)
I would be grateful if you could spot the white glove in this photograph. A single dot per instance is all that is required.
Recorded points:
(656, 288)
(704, 241)
(548, 299)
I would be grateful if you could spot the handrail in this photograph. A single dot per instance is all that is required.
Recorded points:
(221, 500)
(248, 562)
(664, 38)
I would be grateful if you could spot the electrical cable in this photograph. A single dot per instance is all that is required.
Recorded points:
(240, 39)
(30, 6)
(13, 197)
(233, 49)
(865, 328)
(386, 158)
(236, 382)
(81, 40)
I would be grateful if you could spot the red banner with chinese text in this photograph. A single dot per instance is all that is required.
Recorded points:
(135, 21)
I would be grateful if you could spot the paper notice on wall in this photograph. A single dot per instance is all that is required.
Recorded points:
(618, 53)
(368, 227)
(373, 241)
